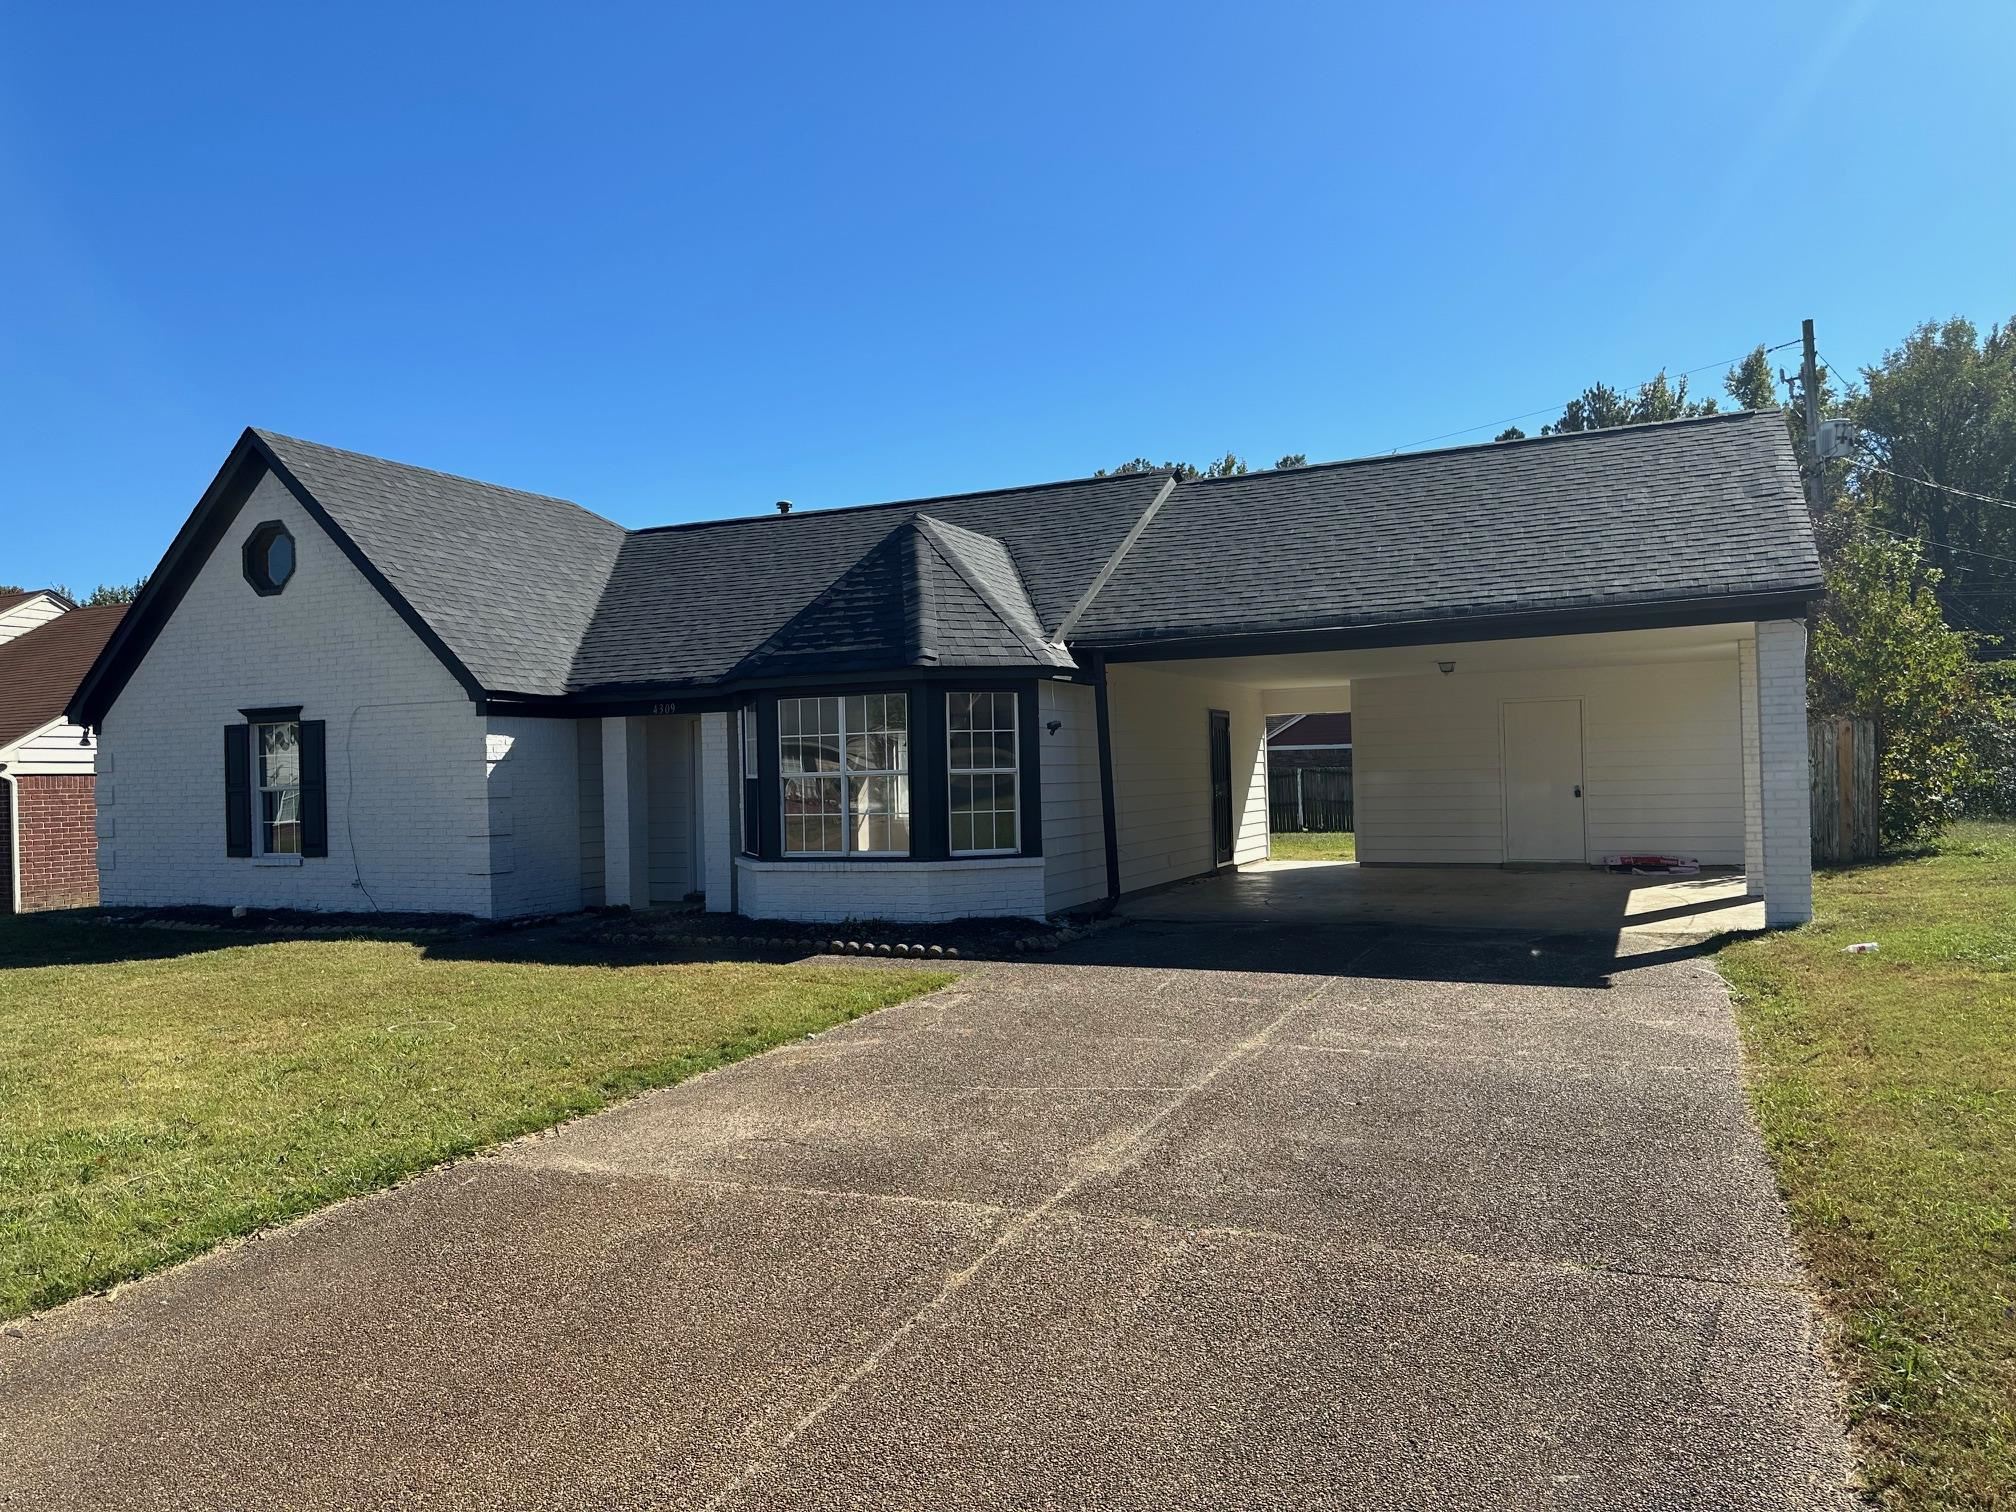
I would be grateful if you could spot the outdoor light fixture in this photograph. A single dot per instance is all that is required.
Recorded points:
(1447, 667)
(1054, 726)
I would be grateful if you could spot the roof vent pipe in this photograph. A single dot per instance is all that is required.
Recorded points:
(783, 506)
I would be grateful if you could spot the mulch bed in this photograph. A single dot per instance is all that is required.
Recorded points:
(958, 939)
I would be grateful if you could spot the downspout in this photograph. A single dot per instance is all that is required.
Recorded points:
(1106, 808)
(13, 839)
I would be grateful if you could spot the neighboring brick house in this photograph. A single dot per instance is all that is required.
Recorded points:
(48, 773)
(1308, 740)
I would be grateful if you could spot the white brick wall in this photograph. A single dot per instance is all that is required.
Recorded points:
(1662, 767)
(819, 892)
(1162, 773)
(407, 799)
(1786, 786)
(1074, 826)
(535, 817)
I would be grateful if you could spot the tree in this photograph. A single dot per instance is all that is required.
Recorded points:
(1293, 459)
(1599, 407)
(1751, 383)
(1231, 465)
(1882, 649)
(1941, 410)
(1510, 433)
(115, 593)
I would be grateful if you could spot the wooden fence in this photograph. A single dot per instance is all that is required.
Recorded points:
(1842, 754)
(1309, 798)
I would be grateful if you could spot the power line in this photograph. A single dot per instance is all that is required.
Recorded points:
(1963, 493)
(1942, 546)
(1555, 409)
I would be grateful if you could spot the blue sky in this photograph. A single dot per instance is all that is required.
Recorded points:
(676, 263)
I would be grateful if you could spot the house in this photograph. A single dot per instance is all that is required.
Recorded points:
(357, 684)
(1308, 740)
(48, 810)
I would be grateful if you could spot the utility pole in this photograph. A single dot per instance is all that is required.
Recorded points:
(1809, 399)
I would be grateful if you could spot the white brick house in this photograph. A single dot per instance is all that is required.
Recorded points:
(353, 684)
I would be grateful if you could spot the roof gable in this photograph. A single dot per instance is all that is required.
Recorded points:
(507, 580)
(925, 595)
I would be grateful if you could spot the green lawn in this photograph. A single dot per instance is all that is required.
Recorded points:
(161, 1091)
(1284, 845)
(1886, 1086)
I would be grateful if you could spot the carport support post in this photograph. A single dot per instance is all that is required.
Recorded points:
(1785, 785)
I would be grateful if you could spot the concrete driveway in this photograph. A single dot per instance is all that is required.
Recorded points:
(1225, 1217)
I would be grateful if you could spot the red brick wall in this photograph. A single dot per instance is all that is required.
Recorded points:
(59, 842)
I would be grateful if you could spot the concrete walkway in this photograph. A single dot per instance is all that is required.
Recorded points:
(1211, 1218)
(1558, 900)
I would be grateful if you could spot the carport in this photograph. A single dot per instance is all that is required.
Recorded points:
(1554, 653)
(1494, 781)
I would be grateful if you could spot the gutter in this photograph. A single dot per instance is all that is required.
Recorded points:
(1650, 614)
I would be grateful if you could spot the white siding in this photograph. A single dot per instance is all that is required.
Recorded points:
(55, 750)
(588, 770)
(407, 800)
(1074, 827)
(1662, 761)
(668, 744)
(1162, 773)
(535, 826)
(25, 616)
(913, 892)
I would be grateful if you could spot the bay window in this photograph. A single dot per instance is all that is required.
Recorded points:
(844, 767)
(982, 772)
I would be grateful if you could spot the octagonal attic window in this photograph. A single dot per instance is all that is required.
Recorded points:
(269, 557)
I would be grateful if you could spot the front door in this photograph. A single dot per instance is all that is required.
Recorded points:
(1221, 787)
(1543, 780)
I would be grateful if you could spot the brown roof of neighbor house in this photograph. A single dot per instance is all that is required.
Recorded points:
(40, 670)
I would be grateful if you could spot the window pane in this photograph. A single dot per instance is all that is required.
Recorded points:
(964, 800)
(962, 832)
(787, 716)
(279, 755)
(959, 711)
(963, 751)
(857, 712)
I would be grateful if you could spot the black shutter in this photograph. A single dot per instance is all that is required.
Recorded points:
(314, 789)
(237, 790)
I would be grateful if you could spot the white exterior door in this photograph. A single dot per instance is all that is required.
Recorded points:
(1543, 780)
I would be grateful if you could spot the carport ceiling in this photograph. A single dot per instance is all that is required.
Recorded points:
(1310, 669)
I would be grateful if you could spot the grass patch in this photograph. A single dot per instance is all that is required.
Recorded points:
(1288, 845)
(163, 1090)
(1886, 1087)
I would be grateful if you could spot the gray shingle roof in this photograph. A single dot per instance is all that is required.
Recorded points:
(538, 596)
(688, 603)
(508, 580)
(1691, 509)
